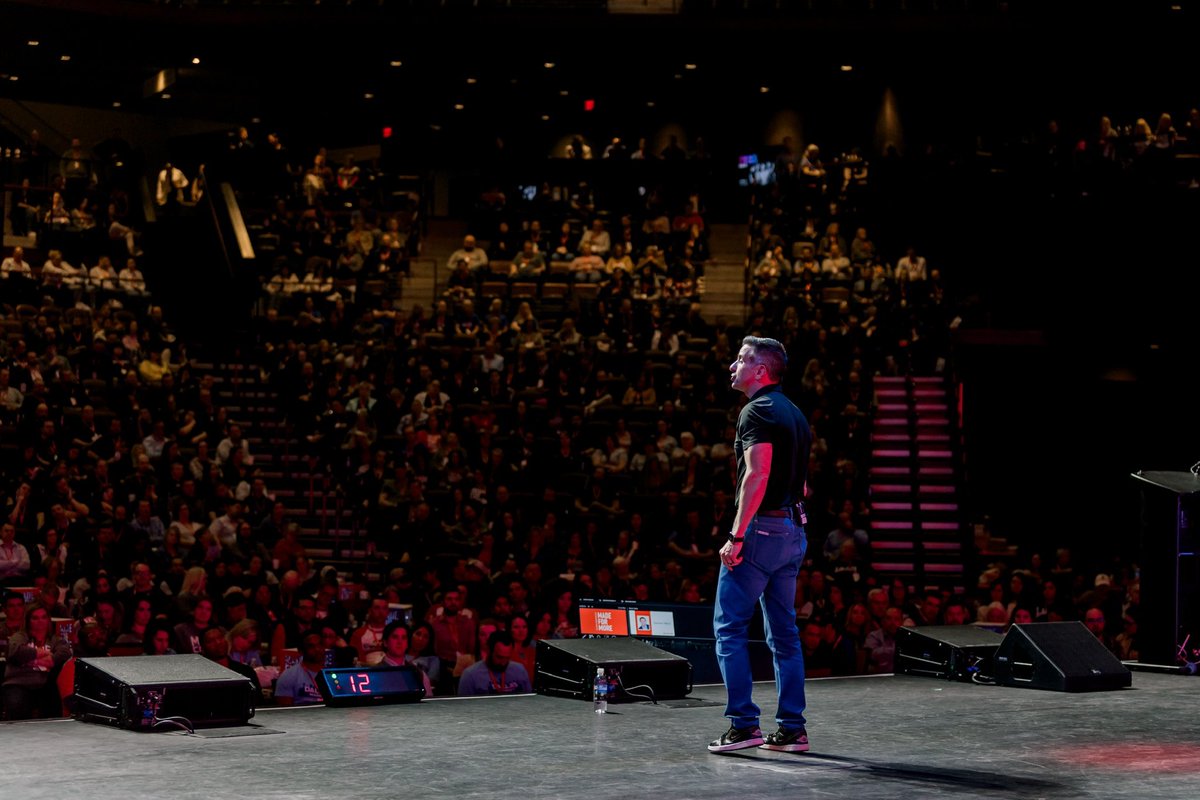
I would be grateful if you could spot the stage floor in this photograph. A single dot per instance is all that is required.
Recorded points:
(880, 737)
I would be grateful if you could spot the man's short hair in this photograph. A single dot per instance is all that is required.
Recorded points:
(393, 626)
(770, 353)
(499, 637)
(959, 602)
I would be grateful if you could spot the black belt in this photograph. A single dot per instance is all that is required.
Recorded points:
(775, 512)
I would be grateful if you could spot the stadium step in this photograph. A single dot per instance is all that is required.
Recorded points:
(325, 534)
(916, 529)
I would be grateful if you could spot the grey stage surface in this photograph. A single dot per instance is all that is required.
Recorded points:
(882, 737)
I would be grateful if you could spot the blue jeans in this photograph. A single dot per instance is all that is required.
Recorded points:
(771, 556)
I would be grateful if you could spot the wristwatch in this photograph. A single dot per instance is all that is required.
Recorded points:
(735, 539)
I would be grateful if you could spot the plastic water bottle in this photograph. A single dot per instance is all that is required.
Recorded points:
(600, 692)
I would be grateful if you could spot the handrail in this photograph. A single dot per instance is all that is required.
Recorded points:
(148, 212)
(207, 199)
(235, 219)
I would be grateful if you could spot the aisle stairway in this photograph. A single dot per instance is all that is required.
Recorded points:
(429, 271)
(326, 526)
(917, 531)
(725, 274)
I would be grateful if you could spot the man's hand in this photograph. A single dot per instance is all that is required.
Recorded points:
(731, 554)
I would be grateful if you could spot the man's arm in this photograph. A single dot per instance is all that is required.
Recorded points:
(750, 494)
(753, 487)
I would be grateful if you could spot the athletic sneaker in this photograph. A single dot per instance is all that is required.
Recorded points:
(789, 741)
(737, 739)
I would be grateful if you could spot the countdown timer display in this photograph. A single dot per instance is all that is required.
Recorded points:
(371, 685)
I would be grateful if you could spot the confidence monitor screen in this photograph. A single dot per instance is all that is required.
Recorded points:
(630, 618)
(653, 620)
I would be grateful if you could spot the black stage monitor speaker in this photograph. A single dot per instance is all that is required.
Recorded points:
(137, 692)
(567, 667)
(954, 652)
(1059, 656)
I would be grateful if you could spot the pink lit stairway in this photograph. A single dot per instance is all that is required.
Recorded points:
(917, 531)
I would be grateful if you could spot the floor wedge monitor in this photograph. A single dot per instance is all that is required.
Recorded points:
(636, 670)
(1058, 656)
(160, 693)
(954, 652)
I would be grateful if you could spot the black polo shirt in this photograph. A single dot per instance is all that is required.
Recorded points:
(771, 417)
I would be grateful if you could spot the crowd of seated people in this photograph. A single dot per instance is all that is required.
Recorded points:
(649, 256)
(1055, 588)
(321, 231)
(78, 201)
(1107, 154)
(502, 462)
(74, 221)
(589, 439)
(849, 618)
(86, 364)
(503, 455)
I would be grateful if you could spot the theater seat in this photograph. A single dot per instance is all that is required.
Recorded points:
(523, 291)
(492, 289)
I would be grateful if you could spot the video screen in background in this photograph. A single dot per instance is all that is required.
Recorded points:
(753, 172)
(400, 611)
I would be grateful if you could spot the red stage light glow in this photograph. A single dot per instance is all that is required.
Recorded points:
(1149, 757)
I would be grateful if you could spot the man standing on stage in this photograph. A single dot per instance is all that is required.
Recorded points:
(765, 548)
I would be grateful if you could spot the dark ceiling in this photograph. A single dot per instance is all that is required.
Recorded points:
(338, 73)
